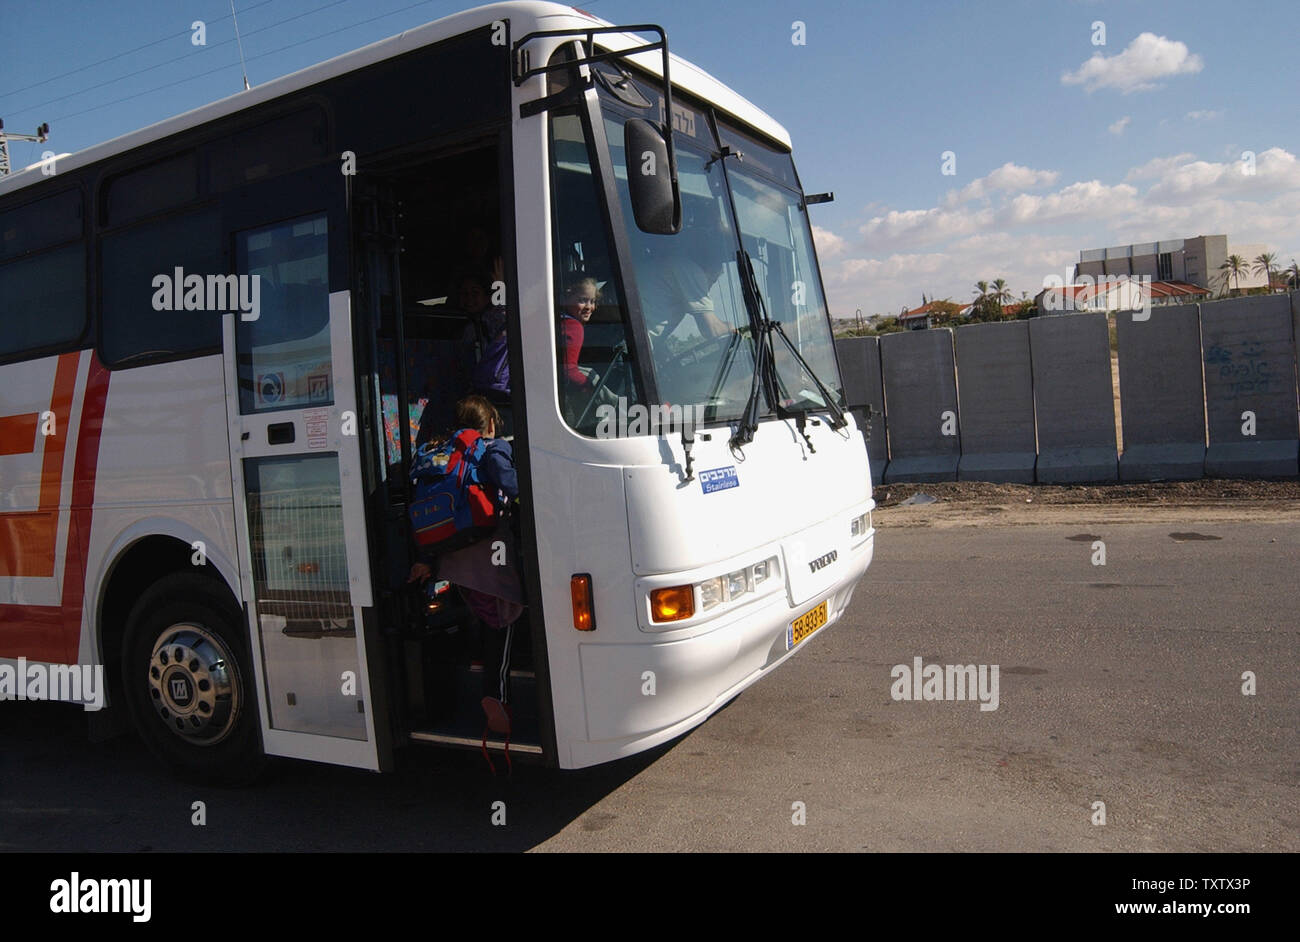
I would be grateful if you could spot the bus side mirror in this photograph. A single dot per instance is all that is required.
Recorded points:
(651, 180)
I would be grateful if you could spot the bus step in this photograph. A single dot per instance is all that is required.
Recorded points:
(473, 742)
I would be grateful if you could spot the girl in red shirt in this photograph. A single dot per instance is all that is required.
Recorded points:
(580, 299)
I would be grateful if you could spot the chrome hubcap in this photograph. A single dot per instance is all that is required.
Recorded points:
(194, 684)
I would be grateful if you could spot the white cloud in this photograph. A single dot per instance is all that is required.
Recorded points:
(921, 226)
(1203, 115)
(894, 266)
(829, 245)
(1147, 58)
(1085, 200)
(1276, 170)
(1009, 176)
(1158, 167)
(1119, 126)
(1024, 237)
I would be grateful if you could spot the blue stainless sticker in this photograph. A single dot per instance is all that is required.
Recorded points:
(719, 479)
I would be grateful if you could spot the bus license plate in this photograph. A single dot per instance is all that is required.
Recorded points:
(806, 624)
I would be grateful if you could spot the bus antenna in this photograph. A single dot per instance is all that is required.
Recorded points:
(243, 66)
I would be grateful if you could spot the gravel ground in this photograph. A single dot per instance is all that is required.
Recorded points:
(970, 503)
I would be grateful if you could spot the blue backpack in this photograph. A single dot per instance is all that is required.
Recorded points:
(450, 508)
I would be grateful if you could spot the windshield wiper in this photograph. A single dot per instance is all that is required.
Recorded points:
(763, 356)
(838, 420)
(765, 368)
(724, 371)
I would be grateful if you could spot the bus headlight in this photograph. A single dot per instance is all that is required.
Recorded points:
(673, 603)
(719, 589)
(860, 525)
(710, 593)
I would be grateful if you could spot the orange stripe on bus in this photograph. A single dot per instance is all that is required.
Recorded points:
(18, 434)
(27, 538)
(65, 378)
(27, 543)
(53, 632)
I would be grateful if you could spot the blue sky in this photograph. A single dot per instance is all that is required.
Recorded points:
(1059, 143)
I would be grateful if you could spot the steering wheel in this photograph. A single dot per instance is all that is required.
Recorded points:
(677, 361)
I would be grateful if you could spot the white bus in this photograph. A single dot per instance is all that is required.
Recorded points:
(204, 487)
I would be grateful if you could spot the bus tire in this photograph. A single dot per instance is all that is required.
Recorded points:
(188, 681)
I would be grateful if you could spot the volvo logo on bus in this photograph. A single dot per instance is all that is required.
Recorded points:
(180, 690)
(821, 562)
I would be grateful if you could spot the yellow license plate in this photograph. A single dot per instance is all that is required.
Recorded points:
(806, 624)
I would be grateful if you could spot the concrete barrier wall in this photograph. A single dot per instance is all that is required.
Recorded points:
(1295, 325)
(1245, 347)
(860, 364)
(920, 388)
(1073, 399)
(996, 402)
(1250, 367)
(1161, 395)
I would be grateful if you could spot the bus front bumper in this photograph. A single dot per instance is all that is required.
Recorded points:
(638, 695)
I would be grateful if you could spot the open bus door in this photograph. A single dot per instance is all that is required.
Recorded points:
(296, 471)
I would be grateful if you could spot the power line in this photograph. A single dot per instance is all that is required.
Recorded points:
(188, 55)
(168, 38)
(262, 55)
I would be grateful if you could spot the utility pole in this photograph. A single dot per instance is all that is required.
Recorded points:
(40, 137)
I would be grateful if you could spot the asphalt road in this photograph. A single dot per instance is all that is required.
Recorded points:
(1118, 684)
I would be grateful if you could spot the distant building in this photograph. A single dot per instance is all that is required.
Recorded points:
(1115, 293)
(922, 318)
(1194, 261)
(1177, 292)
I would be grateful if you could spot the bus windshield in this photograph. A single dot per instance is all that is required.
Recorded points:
(690, 289)
(774, 231)
(700, 335)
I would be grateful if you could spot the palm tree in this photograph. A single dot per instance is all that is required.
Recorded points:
(1293, 274)
(1001, 293)
(1233, 267)
(979, 310)
(1265, 262)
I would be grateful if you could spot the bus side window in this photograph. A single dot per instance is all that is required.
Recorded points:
(592, 358)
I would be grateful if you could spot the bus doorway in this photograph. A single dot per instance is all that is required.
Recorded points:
(431, 251)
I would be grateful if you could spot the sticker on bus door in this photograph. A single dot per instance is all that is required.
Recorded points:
(317, 423)
(719, 479)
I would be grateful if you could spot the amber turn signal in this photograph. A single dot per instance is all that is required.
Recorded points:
(584, 610)
(673, 603)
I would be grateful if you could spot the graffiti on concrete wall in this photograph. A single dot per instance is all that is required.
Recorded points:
(1245, 372)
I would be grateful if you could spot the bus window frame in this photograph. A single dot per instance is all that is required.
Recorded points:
(85, 337)
(741, 135)
(724, 129)
(588, 109)
(235, 209)
(131, 362)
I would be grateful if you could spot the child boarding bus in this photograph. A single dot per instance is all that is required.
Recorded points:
(226, 335)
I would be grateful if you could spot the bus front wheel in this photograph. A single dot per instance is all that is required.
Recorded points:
(188, 681)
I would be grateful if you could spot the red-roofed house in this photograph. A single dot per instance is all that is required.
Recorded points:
(922, 318)
(1177, 292)
(1119, 294)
